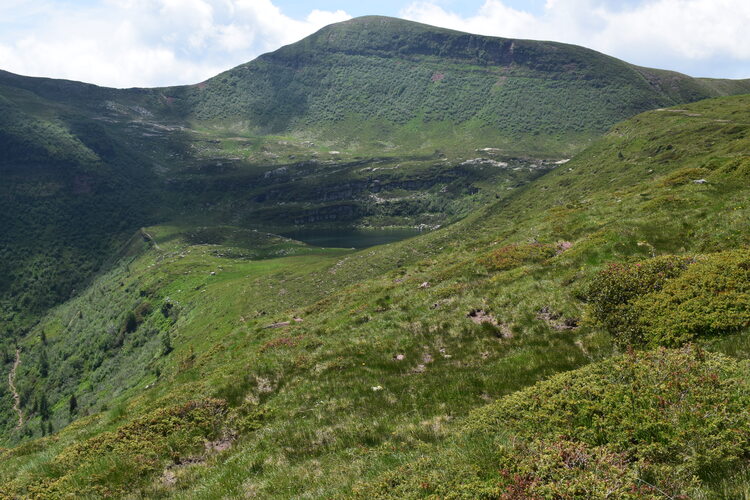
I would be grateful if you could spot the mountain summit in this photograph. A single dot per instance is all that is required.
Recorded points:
(379, 78)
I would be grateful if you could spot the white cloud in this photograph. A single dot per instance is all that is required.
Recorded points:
(126, 43)
(700, 37)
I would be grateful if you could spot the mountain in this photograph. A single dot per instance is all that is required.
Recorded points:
(371, 122)
(565, 327)
(378, 79)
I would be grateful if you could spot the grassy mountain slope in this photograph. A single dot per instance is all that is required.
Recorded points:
(70, 188)
(398, 344)
(376, 80)
(374, 122)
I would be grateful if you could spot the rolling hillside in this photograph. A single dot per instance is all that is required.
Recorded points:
(199, 373)
(573, 321)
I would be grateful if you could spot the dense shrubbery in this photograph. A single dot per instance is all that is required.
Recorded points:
(675, 415)
(671, 300)
(613, 291)
(114, 463)
(711, 297)
(643, 425)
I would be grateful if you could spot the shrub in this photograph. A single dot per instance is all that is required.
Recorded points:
(613, 291)
(672, 300)
(514, 255)
(649, 424)
(674, 414)
(142, 311)
(711, 297)
(111, 464)
(131, 322)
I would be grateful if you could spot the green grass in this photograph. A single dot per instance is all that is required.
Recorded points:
(157, 212)
(379, 380)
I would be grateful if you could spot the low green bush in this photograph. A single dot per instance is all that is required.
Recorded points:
(672, 300)
(112, 464)
(648, 424)
(614, 290)
(510, 256)
(711, 297)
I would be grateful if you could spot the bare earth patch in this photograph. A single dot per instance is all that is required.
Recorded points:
(557, 321)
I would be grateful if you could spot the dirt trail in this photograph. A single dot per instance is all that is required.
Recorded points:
(12, 385)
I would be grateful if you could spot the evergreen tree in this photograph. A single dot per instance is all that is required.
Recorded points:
(72, 404)
(43, 363)
(166, 344)
(43, 407)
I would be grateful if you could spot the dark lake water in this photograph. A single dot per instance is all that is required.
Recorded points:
(351, 238)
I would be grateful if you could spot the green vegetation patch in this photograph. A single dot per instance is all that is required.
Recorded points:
(116, 462)
(672, 300)
(641, 425)
(510, 256)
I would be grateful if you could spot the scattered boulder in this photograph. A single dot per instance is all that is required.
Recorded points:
(700, 181)
(563, 246)
(422, 367)
(505, 331)
(426, 284)
(399, 357)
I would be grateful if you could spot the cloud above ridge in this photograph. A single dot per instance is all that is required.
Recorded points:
(699, 37)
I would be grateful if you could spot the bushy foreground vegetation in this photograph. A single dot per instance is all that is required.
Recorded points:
(670, 300)
(114, 463)
(655, 424)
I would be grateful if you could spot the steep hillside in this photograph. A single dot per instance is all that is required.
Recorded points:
(381, 81)
(71, 187)
(194, 371)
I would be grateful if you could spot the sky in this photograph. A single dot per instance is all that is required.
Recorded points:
(143, 43)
